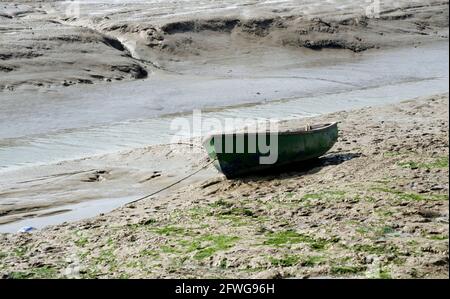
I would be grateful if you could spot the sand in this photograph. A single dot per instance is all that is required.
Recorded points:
(375, 206)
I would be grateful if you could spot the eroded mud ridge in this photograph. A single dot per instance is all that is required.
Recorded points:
(356, 33)
(375, 206)
(42, 46)
(40, 51)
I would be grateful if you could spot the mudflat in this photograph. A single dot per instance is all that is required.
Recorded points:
(48, 44)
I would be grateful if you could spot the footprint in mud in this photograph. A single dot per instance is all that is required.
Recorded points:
(155, 174)
(96, 176)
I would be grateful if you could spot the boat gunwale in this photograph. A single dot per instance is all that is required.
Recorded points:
(322, 127)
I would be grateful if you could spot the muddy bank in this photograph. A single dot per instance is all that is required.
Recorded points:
(44, 45)
(38, 51)
(375, 206)
(171, 40)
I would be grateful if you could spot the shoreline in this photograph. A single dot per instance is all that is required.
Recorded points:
(375, 206)
(102, 182)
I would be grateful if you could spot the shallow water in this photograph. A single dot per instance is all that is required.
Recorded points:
(68, 213)
(83, 121)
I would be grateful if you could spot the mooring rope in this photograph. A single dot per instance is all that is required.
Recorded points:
(174, 183)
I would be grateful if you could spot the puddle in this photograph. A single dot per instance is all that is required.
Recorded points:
(72, 213)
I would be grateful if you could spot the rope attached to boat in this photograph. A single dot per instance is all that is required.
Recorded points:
(174, 183)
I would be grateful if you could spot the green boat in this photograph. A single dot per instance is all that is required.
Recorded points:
(240, 154)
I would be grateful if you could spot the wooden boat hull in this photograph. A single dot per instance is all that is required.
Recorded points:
(292, 147)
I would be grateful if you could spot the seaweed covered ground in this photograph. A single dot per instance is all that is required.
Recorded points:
(376, 206)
